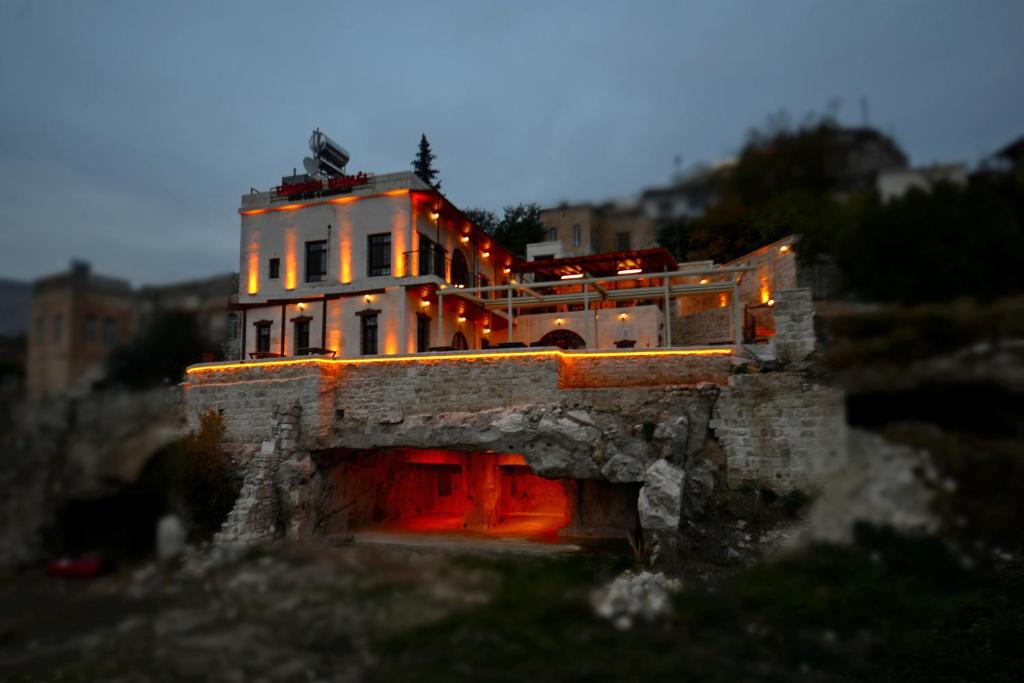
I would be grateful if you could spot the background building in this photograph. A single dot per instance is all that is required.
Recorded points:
(585, 229)
(78, 318)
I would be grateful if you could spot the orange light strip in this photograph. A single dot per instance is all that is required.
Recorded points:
(241, 365)
(321, 202)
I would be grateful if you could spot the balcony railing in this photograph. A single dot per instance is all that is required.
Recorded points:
(430, 261)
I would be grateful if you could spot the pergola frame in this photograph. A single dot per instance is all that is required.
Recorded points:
(530, 297)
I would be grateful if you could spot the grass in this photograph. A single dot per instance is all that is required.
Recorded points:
(890, 608)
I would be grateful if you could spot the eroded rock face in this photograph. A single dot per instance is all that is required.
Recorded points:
(612, 442)
(661, 498)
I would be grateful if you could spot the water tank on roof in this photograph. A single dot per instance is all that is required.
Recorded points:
(330, 157)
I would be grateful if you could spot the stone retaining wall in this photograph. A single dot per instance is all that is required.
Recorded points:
(246, 395)
(794, 325)
(593, 372)
(778, 430)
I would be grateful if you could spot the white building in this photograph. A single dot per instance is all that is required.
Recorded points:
(349, 266)
(354, 270)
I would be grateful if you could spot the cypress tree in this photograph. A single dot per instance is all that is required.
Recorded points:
(423, 164)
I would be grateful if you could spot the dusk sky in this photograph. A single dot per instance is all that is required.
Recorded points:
(129, 130)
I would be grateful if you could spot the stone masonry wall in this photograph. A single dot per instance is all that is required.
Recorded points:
(590, 372)
(712, 326)
(247, 395)
(778, 431)
(794, 325)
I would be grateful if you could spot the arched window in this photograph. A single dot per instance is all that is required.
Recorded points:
(563, 339)
(459, 342)
(460, 269)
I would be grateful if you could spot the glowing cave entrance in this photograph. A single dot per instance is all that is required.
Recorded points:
(490, 494)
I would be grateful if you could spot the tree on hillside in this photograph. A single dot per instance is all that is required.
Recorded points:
(170, 343)
(789, 180)
(423, 164)
(520, 226)
(484, 219)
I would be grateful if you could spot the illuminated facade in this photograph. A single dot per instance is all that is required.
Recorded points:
(356, 272)
(370, 265)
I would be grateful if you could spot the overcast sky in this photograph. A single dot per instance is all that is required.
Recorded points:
(128, 130)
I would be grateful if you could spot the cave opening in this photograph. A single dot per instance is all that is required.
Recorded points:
(477, 493)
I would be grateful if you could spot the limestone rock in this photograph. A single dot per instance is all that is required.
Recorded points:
(661, 498)
(884, 483)
(631, 596)
(622, 468)
(170, 537)
(697, 489)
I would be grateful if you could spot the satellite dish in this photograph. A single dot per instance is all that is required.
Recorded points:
(312, 168)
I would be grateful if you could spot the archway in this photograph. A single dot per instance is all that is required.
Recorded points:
(459, 342)
(563, 339)
(460, 269)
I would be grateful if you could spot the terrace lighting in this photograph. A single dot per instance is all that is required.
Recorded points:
(465, 239)
(485, 254)
(434, 215)
(559, 321)
(572, 276)
(771, 302)
(425, 303)
(487, 330)
(630, 271)
(368, 298)
(461, 319)
(506, 270)
(302, 306)
(784, 248)
(623, 316)
(703, 280)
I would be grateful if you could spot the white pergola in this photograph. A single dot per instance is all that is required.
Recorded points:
(520, 295)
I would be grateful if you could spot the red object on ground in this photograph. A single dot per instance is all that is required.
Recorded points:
(68, 568)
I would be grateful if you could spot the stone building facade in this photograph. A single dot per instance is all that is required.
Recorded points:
(628, 423)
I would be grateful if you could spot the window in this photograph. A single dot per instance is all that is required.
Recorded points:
(274, 268)
(233, 325)
(58, 325)
(110, 331)
(90, 329)
(40, 329)
(422, 333)
(316, 261)
(431, 257)
(459, 342)
(552, 234)
(368, 334)
(622, 239)
(301, 336)
(378, 254)
(483, 281)
(460, 269)
(263, 337)
(577, 235)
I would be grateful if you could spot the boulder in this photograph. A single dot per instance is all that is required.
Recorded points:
(661, 498)
(170, 537)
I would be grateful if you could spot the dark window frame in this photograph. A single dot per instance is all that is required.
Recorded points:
(378, 254)
(369, 328)
(274, 269)
(314, 274)
(300, 334)
(110, 335)
(422, 333)
(263, 335)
